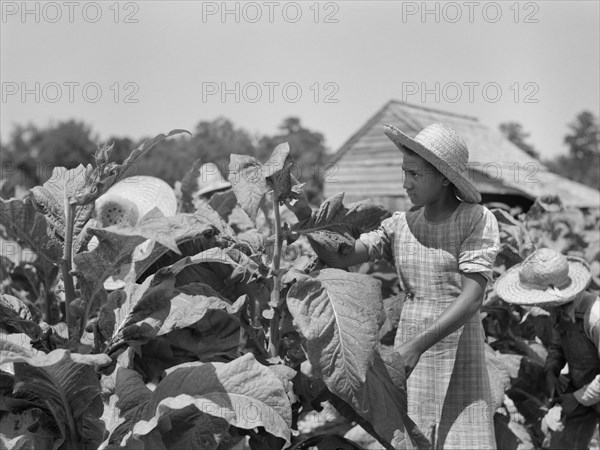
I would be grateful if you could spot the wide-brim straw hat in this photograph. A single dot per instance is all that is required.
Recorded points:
(544, 278)
(444, 149)
(130, 199)
(210, 179)
(125, 203)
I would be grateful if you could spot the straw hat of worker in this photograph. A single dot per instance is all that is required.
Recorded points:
(545, 278)
(210, 179)
(127, 201)
(445, 150)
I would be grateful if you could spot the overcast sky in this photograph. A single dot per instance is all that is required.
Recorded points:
(141, 68)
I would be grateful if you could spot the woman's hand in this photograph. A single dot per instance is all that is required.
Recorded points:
(410, 354)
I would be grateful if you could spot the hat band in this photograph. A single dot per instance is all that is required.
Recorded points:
(546, 287)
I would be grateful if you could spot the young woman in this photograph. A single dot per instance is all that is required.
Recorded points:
(443, 249)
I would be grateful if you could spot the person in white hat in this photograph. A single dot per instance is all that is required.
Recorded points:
(558, 284)
(444, 250)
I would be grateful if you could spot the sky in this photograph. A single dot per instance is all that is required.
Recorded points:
(142, 68)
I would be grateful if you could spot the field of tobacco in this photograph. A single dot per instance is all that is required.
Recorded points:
(224, 334)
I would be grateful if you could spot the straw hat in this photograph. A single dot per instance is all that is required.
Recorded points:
(125, 203)
(130, 199)
(544, 278)
(210, 179)
(443, 148)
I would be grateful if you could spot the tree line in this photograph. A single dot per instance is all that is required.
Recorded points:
(31, 152)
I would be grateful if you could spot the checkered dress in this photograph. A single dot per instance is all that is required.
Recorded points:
(449, 395)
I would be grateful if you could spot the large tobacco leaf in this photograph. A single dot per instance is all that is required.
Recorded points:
(335, 226)
(251, 179)
(65, 386)
(339, 314)
(197, 402)
(116, 245)
(116, 255)
(15, 317)
(157, 307)
(160, 305)
(129, 400)
(215, 338)
(57, 192)
(27, 225)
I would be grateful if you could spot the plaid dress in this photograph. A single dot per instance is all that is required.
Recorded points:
(449, 395)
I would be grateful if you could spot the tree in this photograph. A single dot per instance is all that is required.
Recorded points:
(582, 164)
(513, 131)
(32, 153)
(215, 141)
(307, 149)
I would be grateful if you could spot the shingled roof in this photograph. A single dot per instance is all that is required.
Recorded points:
(368, 165)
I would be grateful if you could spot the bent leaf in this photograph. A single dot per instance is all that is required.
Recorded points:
(277, 171)
(335, 226)
(50, 198)
(30, 227)
(16, 317)
(251, 180)
(242, 393)
(339, 314)
(248, 183)
(157, 307)
(115, 254)
(65, 386)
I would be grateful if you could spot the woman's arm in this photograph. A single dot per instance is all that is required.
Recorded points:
(454, 316)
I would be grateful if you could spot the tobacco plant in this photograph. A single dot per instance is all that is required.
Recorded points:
(210, 339)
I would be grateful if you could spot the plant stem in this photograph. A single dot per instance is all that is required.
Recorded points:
(66, 265)
(274, 328)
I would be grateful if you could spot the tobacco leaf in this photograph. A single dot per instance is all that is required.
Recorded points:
(24, 223)
(213, 396)
(339, 315)
(335, 226)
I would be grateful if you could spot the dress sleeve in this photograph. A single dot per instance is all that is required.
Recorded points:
(478, 251)
(379, 242)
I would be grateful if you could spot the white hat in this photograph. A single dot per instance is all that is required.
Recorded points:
(125, 203)
(130, 199)
(210, 179)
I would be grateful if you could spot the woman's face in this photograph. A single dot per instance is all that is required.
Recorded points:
(422, 181)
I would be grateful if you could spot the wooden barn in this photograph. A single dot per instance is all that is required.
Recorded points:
(369, 165)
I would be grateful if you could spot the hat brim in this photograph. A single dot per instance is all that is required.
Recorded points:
(214, 187)
(510, 289)
(467, 191)
(146, 192)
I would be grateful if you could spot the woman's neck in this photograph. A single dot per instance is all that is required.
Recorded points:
(441, 208)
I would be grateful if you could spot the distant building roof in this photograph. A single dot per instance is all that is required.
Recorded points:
(369, 164)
